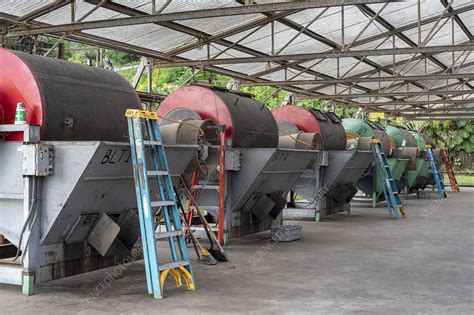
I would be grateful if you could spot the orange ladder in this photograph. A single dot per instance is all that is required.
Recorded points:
(449, 170)
(222, 238)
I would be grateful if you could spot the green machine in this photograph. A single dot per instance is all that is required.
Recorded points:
(359, 133)
(410, 145)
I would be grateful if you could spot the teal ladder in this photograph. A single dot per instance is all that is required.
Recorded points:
(143, 172)
(436, 172)
(394, 203)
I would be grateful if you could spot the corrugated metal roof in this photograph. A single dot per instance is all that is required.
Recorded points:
(306, 36)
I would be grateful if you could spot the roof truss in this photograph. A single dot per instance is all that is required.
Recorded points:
(419, 75)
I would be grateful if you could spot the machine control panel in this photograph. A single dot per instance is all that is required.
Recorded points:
(37, 159)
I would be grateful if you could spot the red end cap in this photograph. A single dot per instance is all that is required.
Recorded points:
(17, 84)
(201, 100)
(302, 118)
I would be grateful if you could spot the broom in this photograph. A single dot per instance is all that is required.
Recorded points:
(204, 256)
(218, 253)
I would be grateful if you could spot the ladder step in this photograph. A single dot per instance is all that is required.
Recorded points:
(216, 187)
(157, 173)
(162, 203)
(200, 228)
(208, 208)
(161, 235)
(174, 264)
(148, 142)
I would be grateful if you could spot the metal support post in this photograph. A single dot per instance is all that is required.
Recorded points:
(2, 35)
(31, 237)
(221, 195)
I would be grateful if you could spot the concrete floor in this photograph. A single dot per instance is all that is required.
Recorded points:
(358, 263)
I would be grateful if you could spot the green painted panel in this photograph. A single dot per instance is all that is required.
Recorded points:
(426, 170)
(422, 169)
(397, 167)
(28, 287)
(358, 126)
(397, 135)
(419, 139)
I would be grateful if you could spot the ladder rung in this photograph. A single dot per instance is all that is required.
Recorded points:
(162, 203)
(157, 173)
(148, 142)
(200, 228)
(174, 264)
(161, 235)
(208, 208)
(216, 187)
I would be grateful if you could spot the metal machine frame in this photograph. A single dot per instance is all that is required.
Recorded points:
(78, 201)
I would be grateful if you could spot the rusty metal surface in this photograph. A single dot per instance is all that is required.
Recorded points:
(409, 153)
(300, 140)
(189, 132)
(332, 132)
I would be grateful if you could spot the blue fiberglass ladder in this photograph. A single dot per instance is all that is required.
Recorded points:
(156, 272)
(394, 203)
(436, 173)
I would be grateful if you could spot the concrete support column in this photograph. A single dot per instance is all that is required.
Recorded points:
(31, 238)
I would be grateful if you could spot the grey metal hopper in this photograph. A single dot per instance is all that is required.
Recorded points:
(344, 169)
(329, 189)
(84, 200)
(257, 181)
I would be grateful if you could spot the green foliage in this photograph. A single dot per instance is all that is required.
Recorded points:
(346, 111)
(10, 42)
(417, 125)
(168, 80)
(30, 44)
(456, 135)
(464, 180)
(120, 58)
(270, 96)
